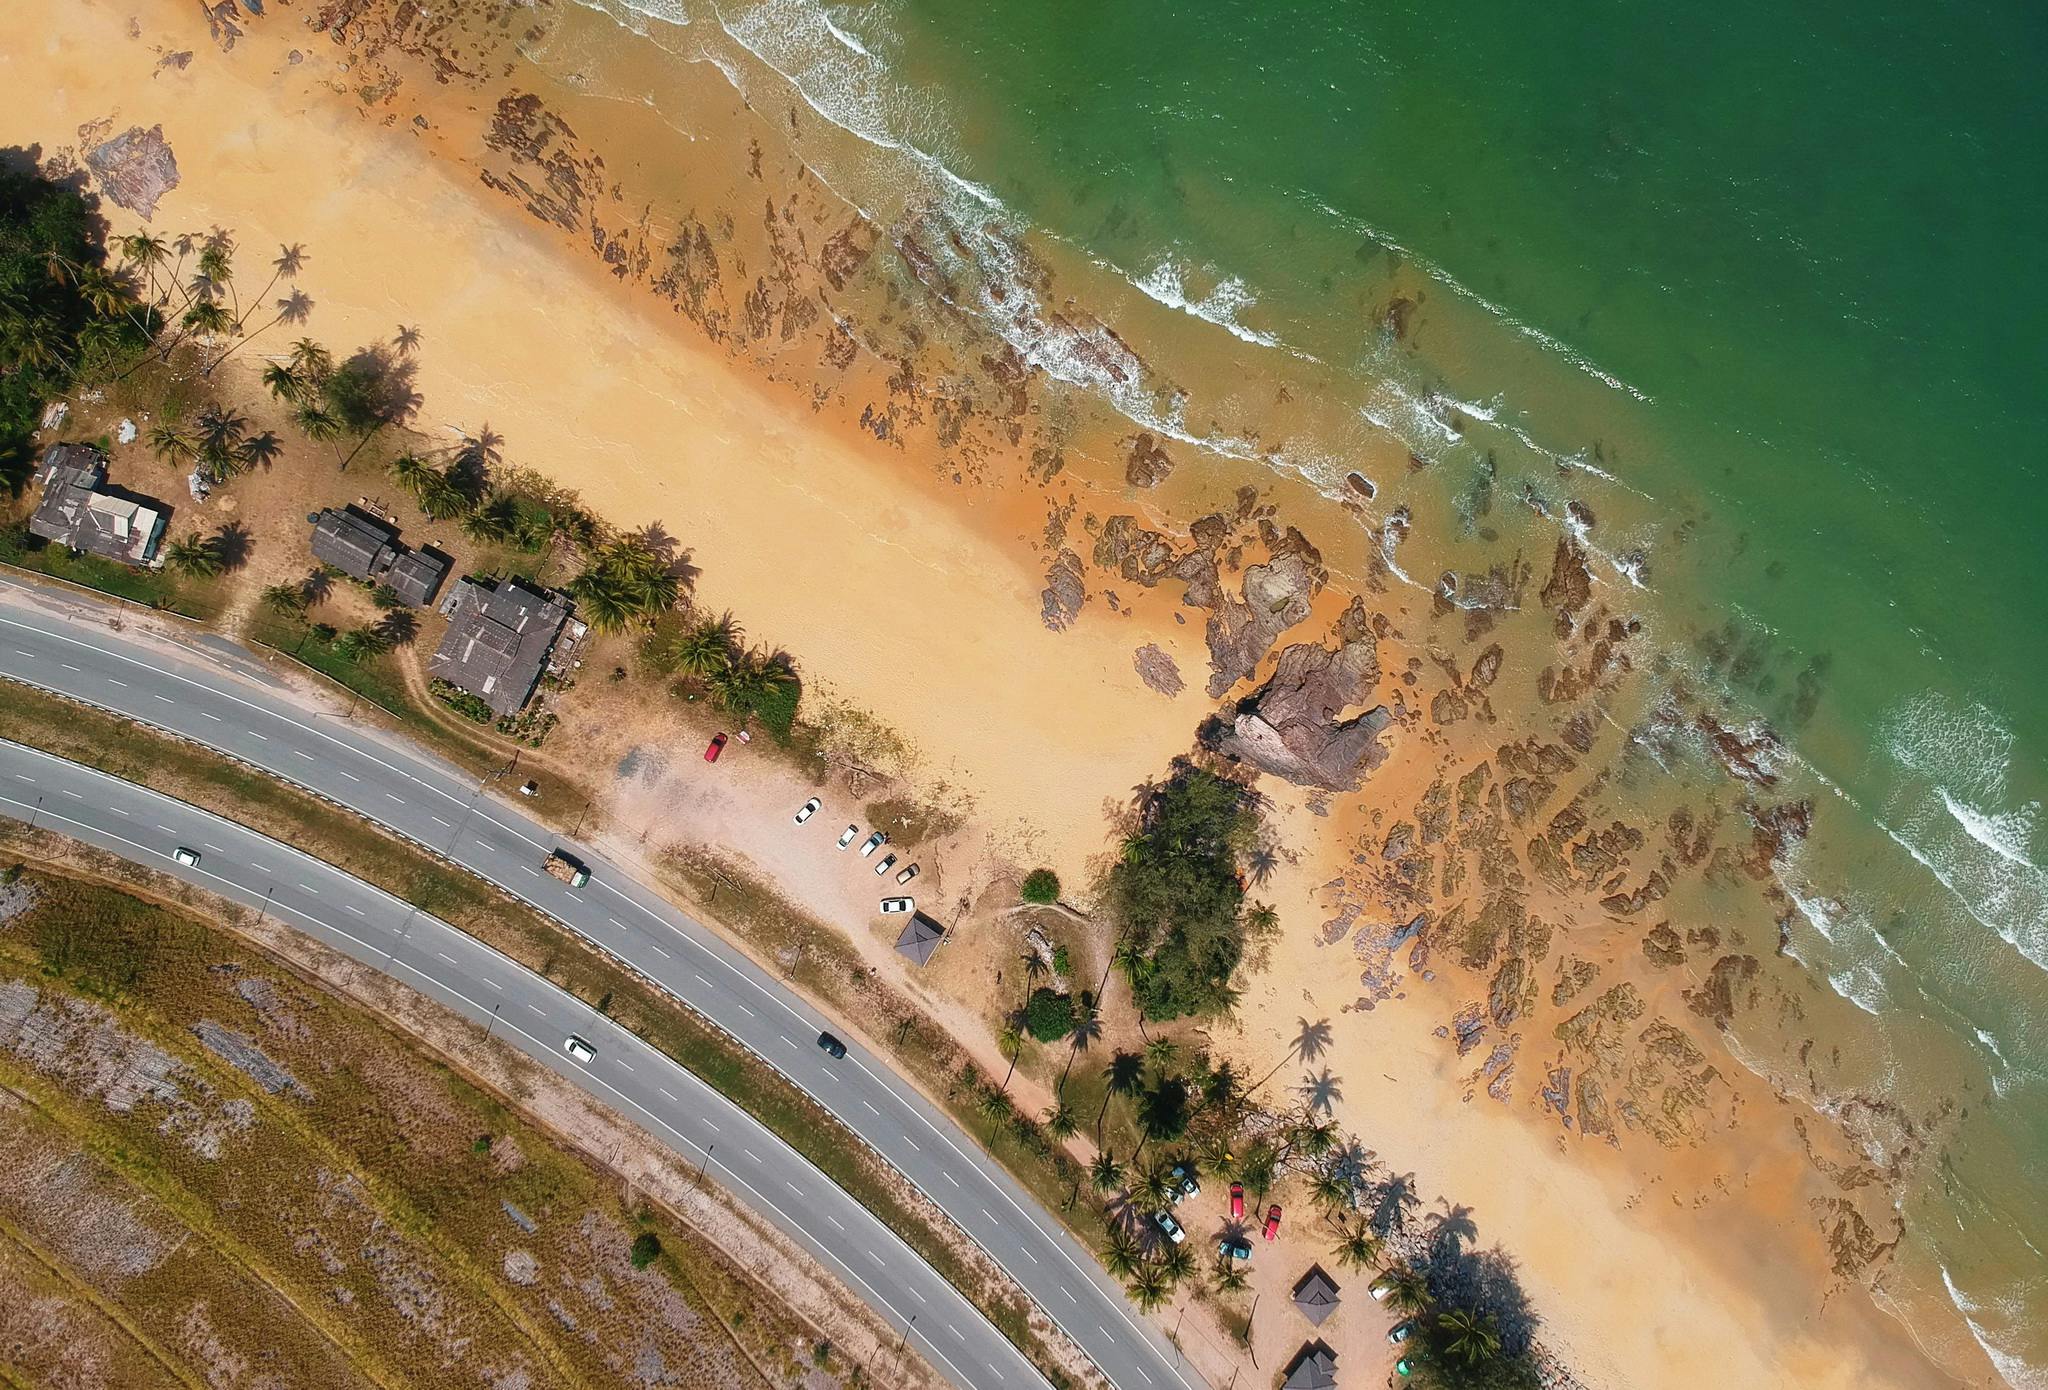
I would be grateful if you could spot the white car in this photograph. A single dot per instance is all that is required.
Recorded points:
(188, 857)
(873, 843)
(579, 1049)
(807, 810)
(891, 906)
(907, 875)
(847, 838)
(888, 863)
(1170, 1226)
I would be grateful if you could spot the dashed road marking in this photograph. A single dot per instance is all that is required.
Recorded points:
(165, 698)
(117, 810)
(209, 714)
(667, 1092)
(353, 908)
(538, 1009)
(112, 681)
(445, 956)
(253, 734)
(304, 754)
(438, 821)
(310, 889)
(350, 775)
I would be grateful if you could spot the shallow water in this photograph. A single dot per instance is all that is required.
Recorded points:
(1757, 290)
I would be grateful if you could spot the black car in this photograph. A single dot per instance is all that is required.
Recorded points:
(833, 1047)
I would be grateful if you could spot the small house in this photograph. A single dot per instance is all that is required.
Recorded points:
(920, 938)
(501, 638)
(76, 510)
(1314, 1367)
(361, 546)
(1316, 1295)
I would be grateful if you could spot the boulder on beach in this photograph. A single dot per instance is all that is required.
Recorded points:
(134, 169)
(1293, 727)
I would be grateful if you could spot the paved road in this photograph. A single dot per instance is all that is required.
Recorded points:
(533, 1015)
(203, 691)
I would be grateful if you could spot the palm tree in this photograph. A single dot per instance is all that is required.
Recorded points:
(705, 648)
(1011, 1041)
(994, 1106)
(1059, 1120)
(193, 556)
(295, 307)
(1330, 1189)
(1358, 1247)
(1407, 1290)
(1471, 1337)
(1106, 1172)
(146, 252)
(286, 383)
(171, 443)
(495, 520)
(1120, 1254)
(1229, 1276)
(208, 317)
(1160, 1052)
(1176, 1264)
(1260, 919)
(1126, 1070)
(1155, 1185)
(311, 361)
(398, 627)
(1148, 1287)
(1219, 1153)
(102, 292)
(410, 471)
(288, 600)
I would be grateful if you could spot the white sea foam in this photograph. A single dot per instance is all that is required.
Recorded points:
(2005, 833)
(1221, 306)
(2013, 1370)
(840, 34)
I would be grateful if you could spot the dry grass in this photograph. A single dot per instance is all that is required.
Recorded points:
(351, 1230)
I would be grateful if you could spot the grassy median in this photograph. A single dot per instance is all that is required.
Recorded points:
(216, 783)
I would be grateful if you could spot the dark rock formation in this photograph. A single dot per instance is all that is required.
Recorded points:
(1292, 727)
(134, 169)
(1158, 670)
(1149, 463)
(1242, 630)
(1064, 593)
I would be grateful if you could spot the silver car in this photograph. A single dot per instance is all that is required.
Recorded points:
(807, 810)
(847, 838)
(873, 843)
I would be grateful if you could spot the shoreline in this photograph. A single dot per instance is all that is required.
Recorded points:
(973, 593)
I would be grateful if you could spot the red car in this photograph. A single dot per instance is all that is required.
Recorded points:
(1237, 1201)
(717, 747)
(1273, 1221)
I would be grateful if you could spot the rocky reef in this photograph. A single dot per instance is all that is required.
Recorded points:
(1293, 726)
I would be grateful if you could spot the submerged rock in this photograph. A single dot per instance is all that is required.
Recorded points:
(1149, 464)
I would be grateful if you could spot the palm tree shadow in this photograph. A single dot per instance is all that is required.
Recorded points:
(232, 545)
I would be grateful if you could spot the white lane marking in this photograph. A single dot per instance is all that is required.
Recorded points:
(750, 1153)
(165, 828)
(69, 667)
(112, 681)
(117, 810)
(1070, 1295)
(624, 1063)
(350, 775)
(445, 956)
(353, 908)
(664, 954)
(667, 1092)
(304, 754)
(915, 1294)
(215, 848)
(792, 1187)
(538, 1009)
(749, 1012)
(209, 714)
(165, 698)
(75, 796)
(438, 821)
(871, 1109)
(835, 1220)
(494, 985)
(951, 1179)
(1027, 1249)
(876, 1258)
(915, 1145)
(991, 1218)
(530, 869)
(714, 1128)
(25, 777)
(616, 922)
(957, 1333)
(388, 796)
(253, 734)
(700, 979)
(310, 889)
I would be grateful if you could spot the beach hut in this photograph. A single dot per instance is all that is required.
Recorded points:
(1314, 1367)
(1316, 1295)
(921, 936)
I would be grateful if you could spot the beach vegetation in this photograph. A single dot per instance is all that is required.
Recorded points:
(1176, 894)
(628, 582)
(645, 1250)
(1040, 886)
(66, 319)
(1049, 1014)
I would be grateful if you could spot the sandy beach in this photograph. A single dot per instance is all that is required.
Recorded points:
(909, 579)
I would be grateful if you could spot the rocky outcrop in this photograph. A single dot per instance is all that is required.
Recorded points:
(1242, 630)
(1149, 464)
(134, 169)
(1064, 593)
(1293, 727)
(1158, 670)
(1570, 586)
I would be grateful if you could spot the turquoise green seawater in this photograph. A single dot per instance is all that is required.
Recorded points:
(1761, 286)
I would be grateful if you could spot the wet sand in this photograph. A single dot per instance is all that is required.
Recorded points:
(919, 600)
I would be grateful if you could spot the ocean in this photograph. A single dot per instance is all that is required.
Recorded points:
(1747, 300)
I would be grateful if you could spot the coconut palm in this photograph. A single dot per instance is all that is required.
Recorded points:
(1330, 1189)
(1120, 1253)
(1228, 1276)
(1105, 1171)
(440, 496)
(208, 317)
(1160, 1052)
(705, 648)
(398, 627)
(288, 600)
(1471, 1337)
(1148, 1287)
(1177, 1264)
(994, 1106)
(1260, 918)
(1407, 1290)
(1155, 1185)
(1358, 1247)
(602, 606)
(295, 308)
(1059, 1120)
(318, 424)
(172, 443)
(102, 291)
(192, 556)
(147, 253)
(286, 383)
(311, 361)
(495, 520)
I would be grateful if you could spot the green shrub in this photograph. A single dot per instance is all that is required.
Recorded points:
(1041, 886)
(461, 701)
(646, 1247)
(1048, 1014)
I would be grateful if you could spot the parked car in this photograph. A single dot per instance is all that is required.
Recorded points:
(847, 838)
(1231, 1248)
(892, 905)
(1405, 1366)
(888, 863)
(1185, 1184)
(188, 857)
(1171, 1227)
(1380, 1288)
(1237, 1201)
(1401, 1333)
(529, 789)
(716, 747)
(873, 843)
(831, 1045)
(579, 1049)
(807, 810)
(907, 875)
(1273, 1222)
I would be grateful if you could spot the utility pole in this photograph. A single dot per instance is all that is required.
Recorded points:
(494, 1021)
(705, 1165)
(33, 814)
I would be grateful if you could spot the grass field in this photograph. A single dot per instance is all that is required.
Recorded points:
(212, 1170)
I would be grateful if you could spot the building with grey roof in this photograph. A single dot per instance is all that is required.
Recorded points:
(362, 545)
(77, 512)
(1316, 1295)
(1314, 1367)
(501, 635)
(921, 936)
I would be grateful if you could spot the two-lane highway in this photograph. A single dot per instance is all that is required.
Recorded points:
(69, 647)
(529, 1013)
